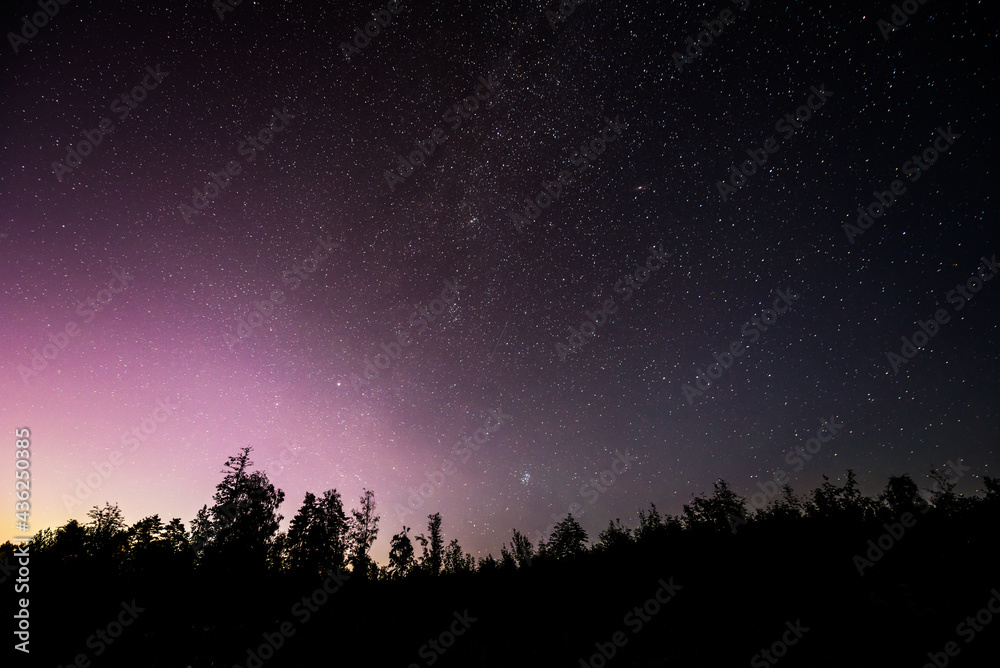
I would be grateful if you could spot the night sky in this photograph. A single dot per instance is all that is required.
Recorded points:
(482, 284)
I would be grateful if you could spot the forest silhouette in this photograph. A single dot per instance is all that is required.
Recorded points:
(878, 580)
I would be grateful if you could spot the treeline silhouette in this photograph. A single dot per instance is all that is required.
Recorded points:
(876, 580)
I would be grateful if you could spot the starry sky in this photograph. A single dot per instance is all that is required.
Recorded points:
(106, 253)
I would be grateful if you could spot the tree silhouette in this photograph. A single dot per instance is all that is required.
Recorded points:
(992, 489)
(568, 539)
(615, 537)
(844, 504)
(305, 538)
(507, 561)
(719, 513)
(824, 500)
(401, 557)
(432, 558)
(146, 546)
(144, 532)
(178, 546)
(899, 495)
(785, 508)
(455, 561)
(106, 536)
(655, 529)
(854, 504)
(70, 544)
(522, 549)
(650, 524)
(362, 532)
(157, 547)
(317, 534)
(202, 533)
(487, 564)
(942, 492)
(43, 540)
(526, 587)
(244, 518)
(176, 535)
(335, 527)
(277, 554)
(322, 537)
(105, 523)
